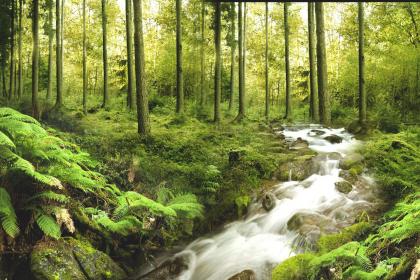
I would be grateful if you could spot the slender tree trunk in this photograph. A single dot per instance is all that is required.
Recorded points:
(50, 47)
(218, 70)
(84, 61)
(324, 100)
(313, 108)
(362, 91)
(3, 79)
(20, 78)
(179, 70)
(287, 63)
(267, 89)
(35, 60)
(62, 42)
(58, 57)
(104, 54)
(12, 51)
(129, 31)
(202, 78)
(241, 111)
(232, 56)
(244, 50)
(141, 92)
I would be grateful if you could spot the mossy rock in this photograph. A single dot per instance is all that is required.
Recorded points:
(70, 259)
(300, 169)
(356, 170)
(349, 161)
(334, 139)
(343, 187)
(295, 268)
(244, 275)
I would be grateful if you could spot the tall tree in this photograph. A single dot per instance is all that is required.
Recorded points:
(202, 58)
(84, 60)
(129, 35)
(313, 106)
(50, 47)
(217, 68)
(12, 51)
(267, 90)
(104, 54)
(287, 62)
(35, 59)
(179, 70)
(324, 99)
(58, 56)
(141, 92)
(20, 65)
(232, 55)
(362, 91)
(241, 111)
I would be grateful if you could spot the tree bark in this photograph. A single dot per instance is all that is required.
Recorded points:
(267, 89)
(84, 102)
(179, 70)
(313, 106)
(104, 54)
(129, 31)
(324, 100)
(241, 111)
(35, 59)
(12, 51)
(362, 91)
(20, 65)
(202, 78)
(50, 47)
(58, 57)
(287, 63)
(217, 68)
(141, 93)
(232, 56)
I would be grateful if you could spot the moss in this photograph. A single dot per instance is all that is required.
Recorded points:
(294, 268)
(356, 170)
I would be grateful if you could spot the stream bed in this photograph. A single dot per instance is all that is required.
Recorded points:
(303, 210)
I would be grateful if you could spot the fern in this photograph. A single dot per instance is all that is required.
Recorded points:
(50, 196)
(7, 214)
(48, 225)
(5, 141)
(186, 206)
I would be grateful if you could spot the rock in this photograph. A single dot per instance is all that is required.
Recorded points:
(73, 260)
(354, 127)
(298, 170)
(302, 221)
(168, 270)
(349, 177)
(316, 132)
(343, 187)
(351, 160)
(299, 144)
(334, 139)
(269, 201)
(415, 273)
(244, 275)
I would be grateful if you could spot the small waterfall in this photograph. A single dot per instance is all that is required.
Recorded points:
(262, 239)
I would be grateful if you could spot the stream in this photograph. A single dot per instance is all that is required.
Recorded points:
(264, 239)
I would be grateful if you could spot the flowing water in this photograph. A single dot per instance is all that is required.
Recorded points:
(262, 239)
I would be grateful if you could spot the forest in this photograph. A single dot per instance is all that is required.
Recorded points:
(209, 140)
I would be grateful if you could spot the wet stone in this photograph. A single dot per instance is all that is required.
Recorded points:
(334, 139)
(343, 187)
(244, 275)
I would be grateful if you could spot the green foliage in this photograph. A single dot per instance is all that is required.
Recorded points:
(48, 225)
(295, 268)
(7, 214)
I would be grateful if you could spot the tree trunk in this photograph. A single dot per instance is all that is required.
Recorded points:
(104, 54)
(232, 56)
(202, 78)
(141, 93)
(62, 42)
(50, 47)
(35, 60)
(313, 106)
(362, 91)
(241, 111)
(129, 31)
(20, 78)
(58, 57)
(324, 100)
(217, 68)
(12, 51)
(267, 89)
(84, 61)
(287, 63)
(179, 74)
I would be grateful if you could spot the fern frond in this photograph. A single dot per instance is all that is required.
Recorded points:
(126, 226)
(186, 205)
(133, 201)
(50, 195)
(5, 141)
(48, 225)
(7, 214)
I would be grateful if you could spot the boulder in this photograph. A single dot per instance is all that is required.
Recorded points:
(304, 223)
(316, 132)
(73, 260)
(298, 170)
(299, 144)
(244, 275)
(343, 187)
(354, 127)
(349, 177)
(168, 270)
(351, 160)
(269, 201)
(334, 139)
